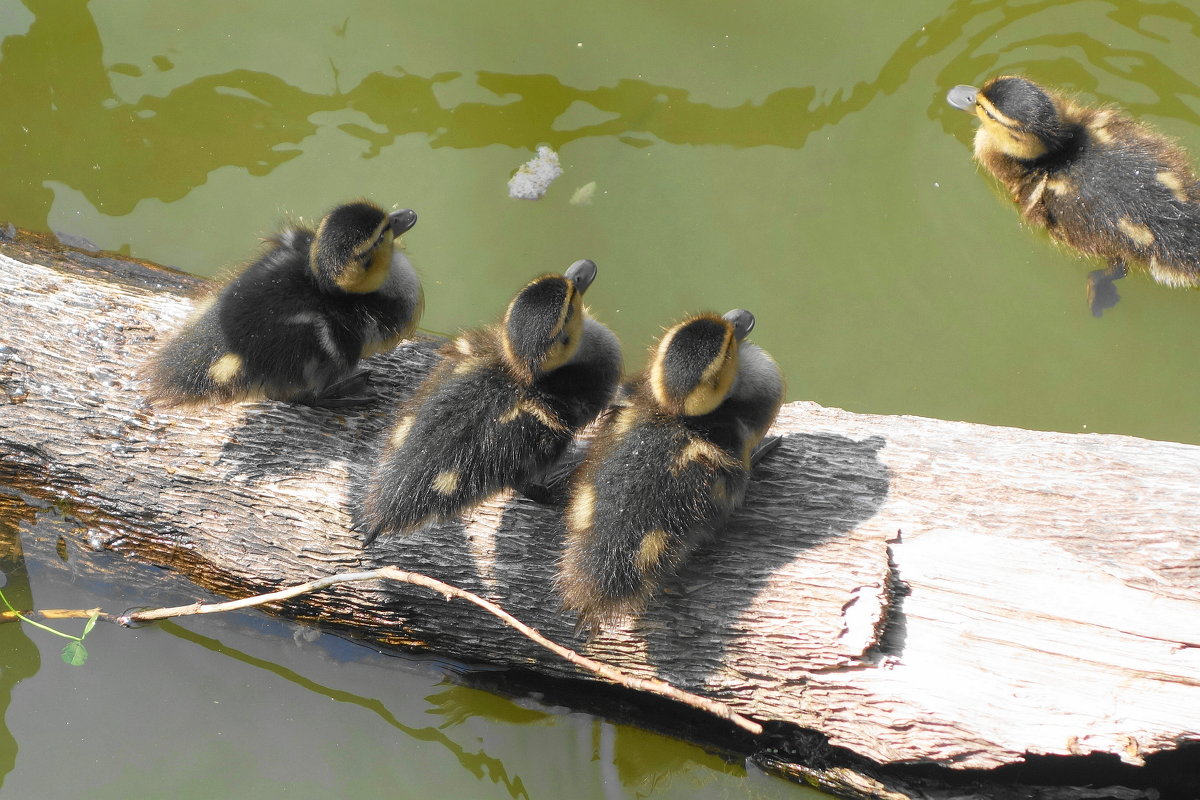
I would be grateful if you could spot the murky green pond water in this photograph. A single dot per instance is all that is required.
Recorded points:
(796, 159)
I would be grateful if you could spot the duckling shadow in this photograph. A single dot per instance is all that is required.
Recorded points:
(280, 440)
(812, 491)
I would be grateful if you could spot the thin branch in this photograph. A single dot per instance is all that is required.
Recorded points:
(396, 574)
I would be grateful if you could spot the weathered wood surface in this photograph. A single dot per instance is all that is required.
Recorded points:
(916, 590)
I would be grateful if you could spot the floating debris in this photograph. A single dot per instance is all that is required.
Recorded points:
(583, 195)
(535, 176)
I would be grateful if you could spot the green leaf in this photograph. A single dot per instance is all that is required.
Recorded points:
(74, 654)
(91, 623)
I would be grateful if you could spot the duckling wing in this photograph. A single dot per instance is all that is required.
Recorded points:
(286, 332)
(643, 501)
(1126, 199)
(463, 438)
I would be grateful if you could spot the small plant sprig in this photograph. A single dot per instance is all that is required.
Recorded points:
(74, 653)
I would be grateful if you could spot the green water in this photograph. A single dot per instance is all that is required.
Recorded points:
(795, 159)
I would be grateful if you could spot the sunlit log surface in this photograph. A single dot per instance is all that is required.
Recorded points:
(913, 589)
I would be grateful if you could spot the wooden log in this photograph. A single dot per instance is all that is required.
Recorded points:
(915, 590)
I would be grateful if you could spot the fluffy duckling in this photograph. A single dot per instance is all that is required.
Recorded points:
(668, 467)
(294, 323)
(1096, 179)
(499, 410)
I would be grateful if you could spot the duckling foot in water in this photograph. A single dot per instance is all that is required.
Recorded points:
(1101, 288)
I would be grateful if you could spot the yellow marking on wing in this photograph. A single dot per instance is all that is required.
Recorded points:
(1139, 234)
(698, 450)
(466, 365)
(1172, 182)
(1060, 186)
(400, 431)
(654, 544)
(535, 410)
(1101, 134)
(720, 492)
(583, 508)
(1036, 194)
(446, 482)
(624, 422)
(225, 368)
(463, 345)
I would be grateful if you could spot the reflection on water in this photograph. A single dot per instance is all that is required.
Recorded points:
(815, 173)
(479, 764)
(73, 129)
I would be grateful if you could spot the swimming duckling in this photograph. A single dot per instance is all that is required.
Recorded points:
(294, 323)
(667, 469)
(499, 410)
(1096, 179)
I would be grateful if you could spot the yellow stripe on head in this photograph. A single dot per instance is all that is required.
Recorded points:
(694, 365)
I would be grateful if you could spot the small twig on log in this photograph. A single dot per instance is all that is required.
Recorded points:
(396, 574)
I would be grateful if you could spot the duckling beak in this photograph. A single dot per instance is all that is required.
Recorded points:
(402, 220)
(743, 322)
(962, 97)
(582, 273)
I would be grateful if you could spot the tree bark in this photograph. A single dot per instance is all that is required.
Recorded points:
(913, 589)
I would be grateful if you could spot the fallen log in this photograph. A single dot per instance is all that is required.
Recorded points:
(911, 590)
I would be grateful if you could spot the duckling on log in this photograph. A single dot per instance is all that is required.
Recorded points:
(668, 465)
(500, 409)
(1096, 179)
(293, 324)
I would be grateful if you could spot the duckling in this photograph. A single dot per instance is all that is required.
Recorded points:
(293, 324)
(1093, 177)
(666, 470)
(499, 410)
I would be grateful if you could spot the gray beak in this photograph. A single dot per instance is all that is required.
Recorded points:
(962, 97)
(402, 220)
(743, 322)
(582, 273)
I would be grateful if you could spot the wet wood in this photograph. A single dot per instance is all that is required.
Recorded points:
(915, 590)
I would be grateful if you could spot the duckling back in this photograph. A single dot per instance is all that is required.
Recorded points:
(481, 423)
(656, 484)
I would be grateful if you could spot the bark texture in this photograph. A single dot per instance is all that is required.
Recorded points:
(916, 590)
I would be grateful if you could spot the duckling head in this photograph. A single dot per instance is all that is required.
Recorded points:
(543, 326)
(352, 250)
(1019, 118)
(696, 361)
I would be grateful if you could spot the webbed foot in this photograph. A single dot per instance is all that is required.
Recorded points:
(552, 487)
(350, 392)
(1101, 289)
(764, 448)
